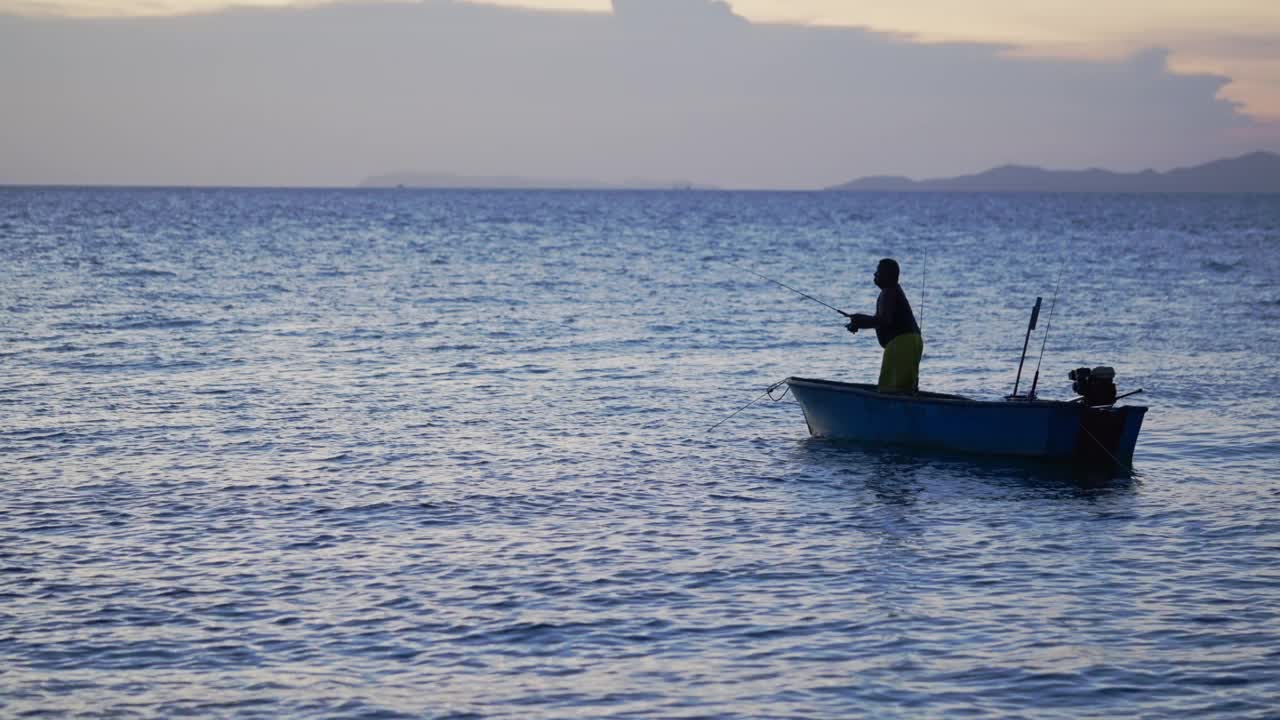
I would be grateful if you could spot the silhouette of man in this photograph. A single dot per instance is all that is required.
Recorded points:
(897, 331)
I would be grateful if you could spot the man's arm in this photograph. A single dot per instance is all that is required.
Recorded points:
(863, 322)
(866, 322)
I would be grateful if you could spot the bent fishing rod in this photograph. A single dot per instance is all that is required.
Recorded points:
(803, 295)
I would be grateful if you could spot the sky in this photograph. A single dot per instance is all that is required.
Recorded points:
(787, 94)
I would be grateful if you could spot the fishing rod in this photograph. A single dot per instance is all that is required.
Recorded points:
(1035, 315)
(924, 284)
(1047, 328)
(803, 295)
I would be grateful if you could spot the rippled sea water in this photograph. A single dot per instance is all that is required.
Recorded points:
(272, 453)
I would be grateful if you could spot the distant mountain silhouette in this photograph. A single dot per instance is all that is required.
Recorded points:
(1257, 172)
(449, 180)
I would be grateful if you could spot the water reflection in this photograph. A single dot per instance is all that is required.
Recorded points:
(897, 476)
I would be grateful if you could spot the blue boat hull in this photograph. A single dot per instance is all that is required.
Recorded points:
(1046, 429)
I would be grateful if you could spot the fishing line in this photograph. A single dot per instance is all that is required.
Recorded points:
(1123, 466)
(801, 294)
(767, 393)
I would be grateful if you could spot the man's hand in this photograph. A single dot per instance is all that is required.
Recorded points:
(851, 327)
(858, 321)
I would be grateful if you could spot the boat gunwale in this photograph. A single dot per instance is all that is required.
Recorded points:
(867, 389)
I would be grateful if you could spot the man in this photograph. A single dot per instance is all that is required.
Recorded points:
(896, 329)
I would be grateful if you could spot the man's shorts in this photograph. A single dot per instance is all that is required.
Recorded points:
(900, 368)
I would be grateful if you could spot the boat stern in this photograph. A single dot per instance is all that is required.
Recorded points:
(1109, 433)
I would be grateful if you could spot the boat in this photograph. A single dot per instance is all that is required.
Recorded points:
(1090, 429)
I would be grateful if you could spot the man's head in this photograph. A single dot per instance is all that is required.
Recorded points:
(886, 273)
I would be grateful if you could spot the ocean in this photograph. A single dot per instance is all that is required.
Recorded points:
(448, 454)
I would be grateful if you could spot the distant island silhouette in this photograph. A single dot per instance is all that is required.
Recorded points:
(478, 182)
(1257, 172)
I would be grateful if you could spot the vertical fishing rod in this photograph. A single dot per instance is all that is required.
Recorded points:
(924, 283)
(803, 295)
(1035, 314)
(1048, 326)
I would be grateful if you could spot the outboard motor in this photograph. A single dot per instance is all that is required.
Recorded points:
(1097, 386)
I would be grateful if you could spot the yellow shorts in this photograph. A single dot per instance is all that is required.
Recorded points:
(900, 368)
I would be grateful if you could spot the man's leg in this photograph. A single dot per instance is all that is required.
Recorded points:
(916, 351)
(885, 383)
(900, 367)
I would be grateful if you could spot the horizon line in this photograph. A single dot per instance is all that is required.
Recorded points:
(831, 190)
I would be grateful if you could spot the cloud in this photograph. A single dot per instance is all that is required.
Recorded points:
(1201, 37)
(1234, 38)
(330, 94)
(686, 13)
